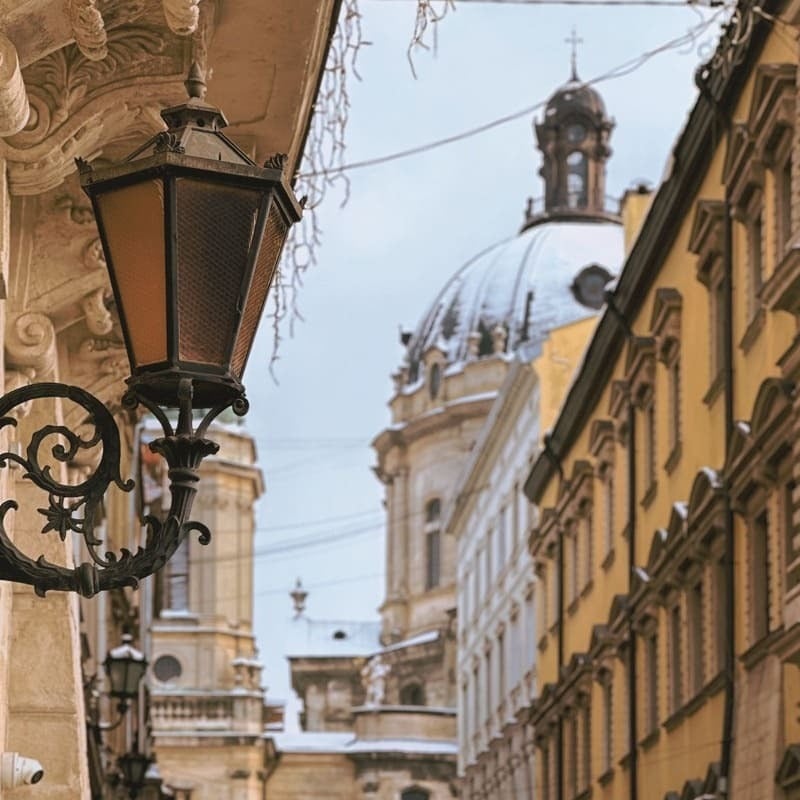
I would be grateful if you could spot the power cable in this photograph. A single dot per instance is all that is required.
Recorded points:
(625, 68)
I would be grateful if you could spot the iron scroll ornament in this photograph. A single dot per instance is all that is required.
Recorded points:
(75, 508)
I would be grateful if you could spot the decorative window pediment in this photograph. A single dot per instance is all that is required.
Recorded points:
(707, 491)
(758, 445)
(773, 107)
(706, 237)
(738, 447)
(658, 547)
(601, 440)
(620, 391)
(665, 324)
(619, 607)
(640, 367)
(581, 481)
(741, 171)
(543, 536)
(771, 409)
(601, 636)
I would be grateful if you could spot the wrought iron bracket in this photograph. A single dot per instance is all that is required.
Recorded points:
(75, 509)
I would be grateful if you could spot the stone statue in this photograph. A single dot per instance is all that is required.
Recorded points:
(374, 678)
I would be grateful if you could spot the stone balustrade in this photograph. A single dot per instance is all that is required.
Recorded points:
(235, 711)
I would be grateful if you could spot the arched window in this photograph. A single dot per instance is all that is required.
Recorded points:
(432, 544)
(576, 180)
(412, 694)
(415, 793)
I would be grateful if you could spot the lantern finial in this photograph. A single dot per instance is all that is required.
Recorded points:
(195, 82)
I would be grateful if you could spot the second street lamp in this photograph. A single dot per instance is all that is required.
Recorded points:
(192, 230)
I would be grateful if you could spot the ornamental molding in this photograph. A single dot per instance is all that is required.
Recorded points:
(79, 105)
(88, 27)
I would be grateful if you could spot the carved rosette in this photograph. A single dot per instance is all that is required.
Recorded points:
(88, 28)
(14, 108)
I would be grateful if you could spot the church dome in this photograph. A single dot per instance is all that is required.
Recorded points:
(546, 276)
(575, 97)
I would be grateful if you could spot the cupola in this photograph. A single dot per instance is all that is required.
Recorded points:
(573, 138)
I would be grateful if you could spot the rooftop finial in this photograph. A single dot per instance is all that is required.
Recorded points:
(298, 595)
(574, 40)
(195, 83)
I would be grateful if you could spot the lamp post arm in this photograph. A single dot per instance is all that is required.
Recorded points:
(73, 508)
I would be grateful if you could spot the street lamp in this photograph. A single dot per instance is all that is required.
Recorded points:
(125, 668)
(133, 766)
(192, 230)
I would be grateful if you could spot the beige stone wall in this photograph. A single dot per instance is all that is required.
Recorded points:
(233, 772)
(318, 775)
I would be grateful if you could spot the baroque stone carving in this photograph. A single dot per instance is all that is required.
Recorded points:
(76, 104)
(63, 81)
(102, 353)
(14, 107)
(88, 28)
(98, 317)
(30, 344)
(93, 255)
(182, 15)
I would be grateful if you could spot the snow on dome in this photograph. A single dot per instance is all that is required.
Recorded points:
(575, 96)
(526, 284)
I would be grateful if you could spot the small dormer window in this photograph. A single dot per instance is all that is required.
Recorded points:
(435, 381)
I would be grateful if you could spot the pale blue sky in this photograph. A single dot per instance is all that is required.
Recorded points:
(407, 227)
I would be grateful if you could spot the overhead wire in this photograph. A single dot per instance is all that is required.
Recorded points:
(621, 70)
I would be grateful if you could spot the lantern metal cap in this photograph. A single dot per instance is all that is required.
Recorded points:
(126, 651)
(194, 129)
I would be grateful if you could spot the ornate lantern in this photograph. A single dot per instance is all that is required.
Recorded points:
(192, 231)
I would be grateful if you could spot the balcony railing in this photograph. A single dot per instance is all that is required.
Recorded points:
(235, 712)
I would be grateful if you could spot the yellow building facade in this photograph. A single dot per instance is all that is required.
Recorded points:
(666, 550)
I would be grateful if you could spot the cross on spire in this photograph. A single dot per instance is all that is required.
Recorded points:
(574, 40)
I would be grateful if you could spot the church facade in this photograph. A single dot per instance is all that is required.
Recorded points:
(388, 707)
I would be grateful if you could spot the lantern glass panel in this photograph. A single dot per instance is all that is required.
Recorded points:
(271, 245)
(132, 218)
(117, 670)
(133, 676)
(216, 232)
(134, 768)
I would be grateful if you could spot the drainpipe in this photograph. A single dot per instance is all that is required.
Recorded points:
(556, 462)
(632, 727)
(633, 751)
(728, 558)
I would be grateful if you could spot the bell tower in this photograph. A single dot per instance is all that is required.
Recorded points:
(573, 138)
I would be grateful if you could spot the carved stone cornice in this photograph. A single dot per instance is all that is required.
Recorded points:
(14, 108)
(88, 28)
(78, 105)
